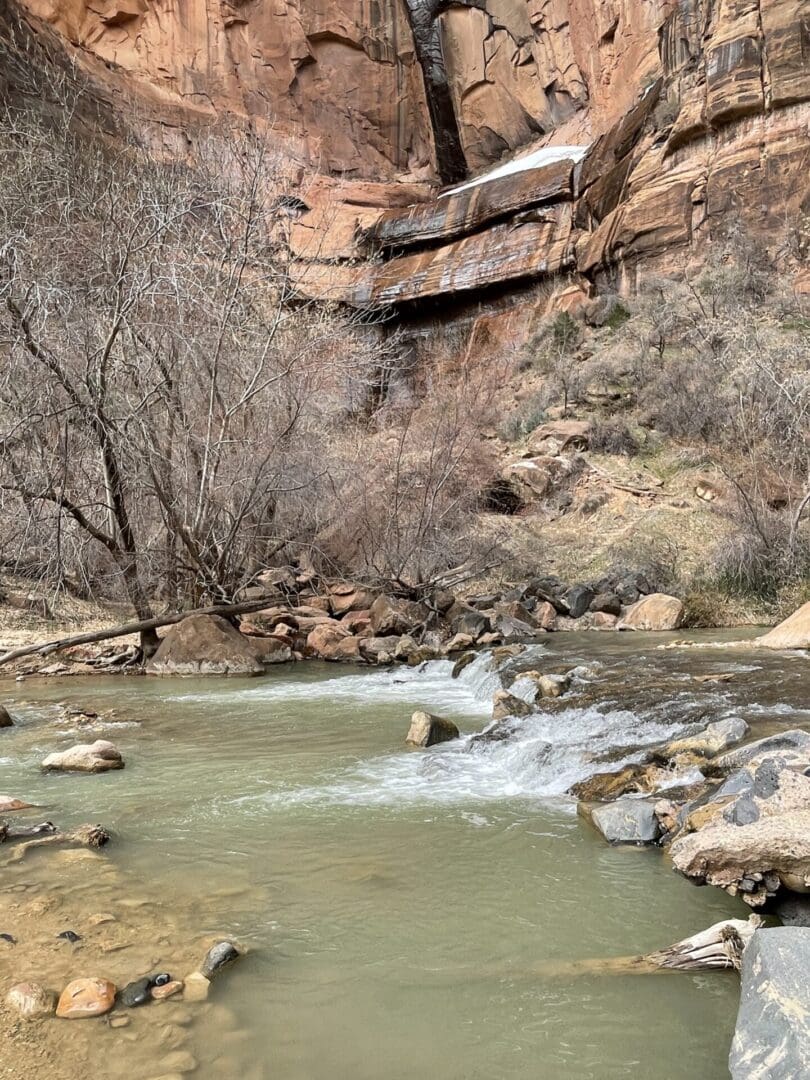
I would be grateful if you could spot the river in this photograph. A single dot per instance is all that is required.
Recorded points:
(405, 913)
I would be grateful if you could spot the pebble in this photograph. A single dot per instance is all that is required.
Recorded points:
(119, 1021)
(8, 938)
(86, 997)
(196, 987)
(166, 990)
(100, 918)
(218, 957)
(69, 935)
(30, 1000)
(135, 993)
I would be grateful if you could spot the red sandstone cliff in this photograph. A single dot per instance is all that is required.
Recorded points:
(687, 114)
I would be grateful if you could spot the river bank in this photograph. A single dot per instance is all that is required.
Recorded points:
(372, 886)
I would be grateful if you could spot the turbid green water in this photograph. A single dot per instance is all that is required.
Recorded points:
(407, 914)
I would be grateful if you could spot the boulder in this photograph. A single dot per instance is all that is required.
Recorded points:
(271, 650)
(5, 717)
(390, 616)
(626, 821)
(508, 630)
(604, 786)
(86, 997)
(755, 835)
(602, 620)
(31, 1000)
(464, 619)
(99, 756)
(772, 1035)
(358, 622)
(458, 643)
(607, 602)
(794, 741)
(578, 599)
(658, 611)
(792, 633)
(463, 661)
(505, 704)
(552, 686)
(346, 598)
(204, 645)
(545, 616)
(560, 436)
(379, 650)
(428, 730)
(714, 738)
(325, 638)
(348, 649)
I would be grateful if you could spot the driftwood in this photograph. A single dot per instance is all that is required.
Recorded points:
(124, 629)
(90, 836)
(721, 946)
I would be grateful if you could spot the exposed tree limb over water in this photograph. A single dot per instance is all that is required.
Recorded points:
(45, 648)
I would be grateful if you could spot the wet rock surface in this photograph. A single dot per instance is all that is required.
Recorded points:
(772, 1036)
(99, 756)
(428, 730)
(625, 821)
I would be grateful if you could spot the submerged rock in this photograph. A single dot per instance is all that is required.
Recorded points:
(204, 645)
(792, 633)
(8, 804)
(428, 730)
(772, 1036)
(218, 957)
(196, 987)
(100, 756)
(86, 997)
(626, 821)
(31, 1000)
(658, 611)
(5, 717)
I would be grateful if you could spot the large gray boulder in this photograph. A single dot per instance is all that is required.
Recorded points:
(625, 821)
(772, 1037)
(205, 645)
(795, 740)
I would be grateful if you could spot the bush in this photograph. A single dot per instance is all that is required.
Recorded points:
(613, 436)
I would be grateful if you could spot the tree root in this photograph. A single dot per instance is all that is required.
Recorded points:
(89, 836)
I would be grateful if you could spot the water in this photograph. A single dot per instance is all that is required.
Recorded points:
(406, 913)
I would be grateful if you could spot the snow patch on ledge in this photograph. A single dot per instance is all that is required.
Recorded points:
(548, 155)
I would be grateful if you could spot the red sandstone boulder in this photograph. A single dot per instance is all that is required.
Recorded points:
(390, 615)
(204, 645)
(324, 639)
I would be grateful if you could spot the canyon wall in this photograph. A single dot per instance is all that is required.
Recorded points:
(679, 118)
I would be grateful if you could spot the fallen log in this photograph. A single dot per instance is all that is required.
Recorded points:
(90, 836)
(48, 647)
(720, 946)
